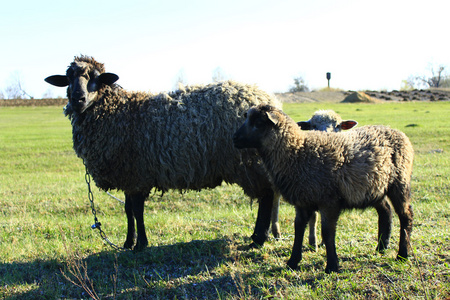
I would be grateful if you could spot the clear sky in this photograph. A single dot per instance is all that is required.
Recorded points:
(364, 44)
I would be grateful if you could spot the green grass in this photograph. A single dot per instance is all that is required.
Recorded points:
(196, 237)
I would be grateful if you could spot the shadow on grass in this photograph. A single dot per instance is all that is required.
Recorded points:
(193, 269)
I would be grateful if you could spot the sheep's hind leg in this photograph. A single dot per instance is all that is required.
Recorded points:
(400, 199)
(301, 219)
(384, 224)
(275, 213)
(312, 238)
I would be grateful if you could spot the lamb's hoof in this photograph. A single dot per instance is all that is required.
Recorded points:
(401, 258)
(312, 248)
(292, 265)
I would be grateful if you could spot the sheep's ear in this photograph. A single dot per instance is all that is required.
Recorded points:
(273, 117)
(348, 124)
(304, 125)
(58, 80)
(108, 78)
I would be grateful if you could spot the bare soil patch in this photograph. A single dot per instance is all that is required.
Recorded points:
(376, 96)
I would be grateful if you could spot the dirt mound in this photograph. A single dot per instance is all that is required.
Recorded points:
(414, 95)
(360, 97)
(307, 97)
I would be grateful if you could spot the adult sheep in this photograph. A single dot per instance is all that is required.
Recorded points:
(135, 141)
(329, 172)
(329, 121)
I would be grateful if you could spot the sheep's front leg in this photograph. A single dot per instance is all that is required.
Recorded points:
(330, 217)
(134, 207)
(301, 219)
(262, 226)
(129, 242)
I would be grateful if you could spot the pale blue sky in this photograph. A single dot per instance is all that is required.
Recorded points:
(364, 44)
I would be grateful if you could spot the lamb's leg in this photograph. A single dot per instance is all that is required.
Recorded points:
(129, 242)
(384, 224)
(275, 212)
(400, 199)
(262, 226)
(301, 219)
(312, 231)
(330, 217)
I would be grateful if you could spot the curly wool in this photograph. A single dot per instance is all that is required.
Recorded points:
(135, 141)
(354, 168)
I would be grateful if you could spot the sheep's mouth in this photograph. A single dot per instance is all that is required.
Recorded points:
(80, 106)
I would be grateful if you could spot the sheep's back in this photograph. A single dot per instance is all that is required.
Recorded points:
(373, 158)
(180, 140)
(355, 168)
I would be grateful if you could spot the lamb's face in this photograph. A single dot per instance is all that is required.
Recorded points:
(328, 121)
(84, 82)
(255, 128)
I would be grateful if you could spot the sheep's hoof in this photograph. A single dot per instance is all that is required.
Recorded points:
(292, 265)
(128, 244)
(381, 250)
(140, 246)
(401, 258)
(330, 269)
(276, 232)
(254, 246)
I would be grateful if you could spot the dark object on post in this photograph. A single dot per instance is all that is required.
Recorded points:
(328, 78)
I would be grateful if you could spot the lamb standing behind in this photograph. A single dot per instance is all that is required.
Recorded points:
(134, 141)
(329, 121)
(328, 172)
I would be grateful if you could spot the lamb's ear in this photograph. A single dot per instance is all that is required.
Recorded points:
(58, 80)
(273, 117)
(108, 78)
(348, 124)
(304, 125)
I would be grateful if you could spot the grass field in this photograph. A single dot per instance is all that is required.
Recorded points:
(48, 251)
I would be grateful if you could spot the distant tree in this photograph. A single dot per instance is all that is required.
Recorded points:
(218, 75)
(299, 85)
(14, 88)
(406, 86)
(180, 79)
(1, 95)
(437, 79)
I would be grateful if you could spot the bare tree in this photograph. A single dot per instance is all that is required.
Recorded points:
(218, 75)
(180, 79)
(14, 89)
(437, 78)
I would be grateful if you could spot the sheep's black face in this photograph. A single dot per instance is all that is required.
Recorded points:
(83, 83)
(252, 132)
